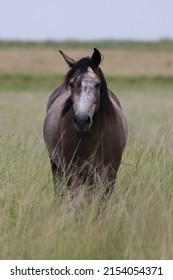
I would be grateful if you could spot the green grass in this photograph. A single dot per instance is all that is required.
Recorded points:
(26, 82)
(138, 220)
(36, 82)
(104, 44)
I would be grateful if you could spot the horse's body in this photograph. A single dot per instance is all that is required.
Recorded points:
(85, 130)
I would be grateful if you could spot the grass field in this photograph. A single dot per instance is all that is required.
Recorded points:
(138, 220)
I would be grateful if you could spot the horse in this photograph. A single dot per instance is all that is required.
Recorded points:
(85, 130)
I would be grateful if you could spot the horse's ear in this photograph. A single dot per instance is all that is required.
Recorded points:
(96, 57)
(70, 61)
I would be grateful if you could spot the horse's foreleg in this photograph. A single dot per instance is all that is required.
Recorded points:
(56, 174)
(110, 182)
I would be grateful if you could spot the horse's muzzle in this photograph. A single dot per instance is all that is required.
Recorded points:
(82, 122)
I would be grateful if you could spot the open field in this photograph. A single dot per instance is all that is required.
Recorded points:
(40, 67)
(138, 220)
(117, 62)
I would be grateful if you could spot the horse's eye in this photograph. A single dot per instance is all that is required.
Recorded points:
(97, 85)
(71, 84)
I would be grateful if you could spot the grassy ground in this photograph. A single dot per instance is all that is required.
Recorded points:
(138, 220)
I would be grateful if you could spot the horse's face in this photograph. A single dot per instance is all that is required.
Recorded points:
(85, 94)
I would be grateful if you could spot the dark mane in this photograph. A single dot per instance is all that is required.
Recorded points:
(78, 69)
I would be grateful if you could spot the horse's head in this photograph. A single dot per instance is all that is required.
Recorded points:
(84, 84)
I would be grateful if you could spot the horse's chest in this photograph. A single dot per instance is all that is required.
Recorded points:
(87, 148)
(78, 147)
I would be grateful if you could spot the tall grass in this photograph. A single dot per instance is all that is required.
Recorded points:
(138, 220)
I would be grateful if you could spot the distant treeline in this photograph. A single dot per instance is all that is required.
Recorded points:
(104, 44)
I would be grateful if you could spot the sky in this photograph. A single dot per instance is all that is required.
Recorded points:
(86, 20)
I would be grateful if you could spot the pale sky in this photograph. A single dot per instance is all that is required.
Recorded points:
(86, 20)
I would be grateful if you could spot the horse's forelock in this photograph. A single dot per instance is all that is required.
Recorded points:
(80, 68)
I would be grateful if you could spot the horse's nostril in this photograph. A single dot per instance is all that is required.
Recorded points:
(75, 119)
(88, 120)
(82, 121)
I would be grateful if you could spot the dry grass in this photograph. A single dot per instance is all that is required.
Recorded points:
(117, 62)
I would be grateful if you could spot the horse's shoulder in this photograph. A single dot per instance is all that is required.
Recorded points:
(118, 109)
(53, 97)
(114, 99)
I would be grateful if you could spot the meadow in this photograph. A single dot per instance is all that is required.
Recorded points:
(137, 222)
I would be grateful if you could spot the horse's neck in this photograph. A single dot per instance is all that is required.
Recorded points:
(105, 109)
